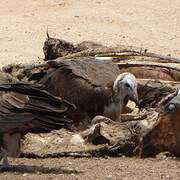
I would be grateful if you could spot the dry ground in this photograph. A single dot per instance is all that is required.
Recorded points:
(150, 24)
(96, 168)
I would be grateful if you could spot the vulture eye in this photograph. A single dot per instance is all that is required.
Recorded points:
(171, 107)
(127, 85)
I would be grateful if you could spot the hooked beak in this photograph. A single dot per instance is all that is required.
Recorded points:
(134, 97)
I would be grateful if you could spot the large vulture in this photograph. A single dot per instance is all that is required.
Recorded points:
(95, 88)
(27, 108)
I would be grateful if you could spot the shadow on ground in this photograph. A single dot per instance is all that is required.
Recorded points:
(40, 169)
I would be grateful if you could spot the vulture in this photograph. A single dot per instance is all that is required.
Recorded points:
(94, 87)
(28, 108)
(165, 134)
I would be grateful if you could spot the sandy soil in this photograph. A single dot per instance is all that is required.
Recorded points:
(96, 168)
(150, 24)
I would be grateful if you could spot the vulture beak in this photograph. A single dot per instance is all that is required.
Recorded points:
(130, 87)
(134, 96)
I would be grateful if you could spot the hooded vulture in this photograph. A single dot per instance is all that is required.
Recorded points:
(95, 88)
(27, 108)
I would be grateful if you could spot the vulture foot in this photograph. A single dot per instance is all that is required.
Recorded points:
(5, 163)
(5, 168)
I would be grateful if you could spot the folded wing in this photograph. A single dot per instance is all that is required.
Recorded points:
(27, 108)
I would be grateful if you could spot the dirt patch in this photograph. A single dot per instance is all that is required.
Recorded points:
(95, 168)
(152, 25)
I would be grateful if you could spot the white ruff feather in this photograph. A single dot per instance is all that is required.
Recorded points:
(179, 92)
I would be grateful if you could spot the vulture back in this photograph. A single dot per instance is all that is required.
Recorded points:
(84, 83)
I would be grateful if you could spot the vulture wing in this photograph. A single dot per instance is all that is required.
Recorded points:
(27, 108)
(83, 83)
(97, 72)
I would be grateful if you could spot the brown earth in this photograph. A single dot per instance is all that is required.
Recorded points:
(96, 168)
(149, 24)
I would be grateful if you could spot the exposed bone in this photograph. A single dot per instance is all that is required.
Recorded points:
(119, 52)
(91, 134)
(129, 55)
(138, 64)
(130, 117)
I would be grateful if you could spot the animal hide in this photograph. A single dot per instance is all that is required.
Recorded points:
(54, 48)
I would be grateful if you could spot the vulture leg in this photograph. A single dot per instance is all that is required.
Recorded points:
(11, 143)
(5, 163)
(120, 111)
(11, 147)
(1, 155)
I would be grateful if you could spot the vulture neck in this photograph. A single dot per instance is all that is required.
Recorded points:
(114, 107)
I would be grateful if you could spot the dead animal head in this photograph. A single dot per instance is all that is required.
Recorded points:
(54, 48)
(125, 86)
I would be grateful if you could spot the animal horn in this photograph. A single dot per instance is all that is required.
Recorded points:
(47, 33)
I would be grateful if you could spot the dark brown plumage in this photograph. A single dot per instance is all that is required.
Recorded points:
(85, 83)
(27, 108)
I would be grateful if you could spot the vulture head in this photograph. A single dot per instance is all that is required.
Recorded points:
(84, 82)
(165, 134)
(125, 88)
(173, 106)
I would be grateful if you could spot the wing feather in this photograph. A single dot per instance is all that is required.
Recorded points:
(80, 83)
(25, 108)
